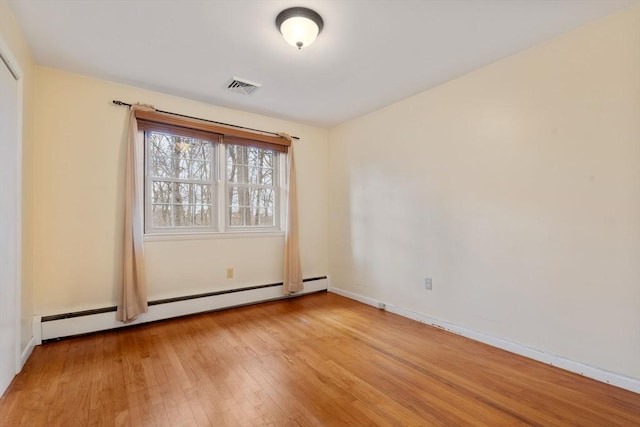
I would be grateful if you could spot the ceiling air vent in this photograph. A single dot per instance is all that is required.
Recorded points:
(242, 86)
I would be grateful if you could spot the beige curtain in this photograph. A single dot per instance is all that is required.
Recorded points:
(292, 269)
(133, 295)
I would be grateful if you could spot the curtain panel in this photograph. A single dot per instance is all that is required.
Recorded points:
(292, 275)
(133, 294)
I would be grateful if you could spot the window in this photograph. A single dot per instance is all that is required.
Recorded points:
(251, 186)
(203, 182)
(180, 185)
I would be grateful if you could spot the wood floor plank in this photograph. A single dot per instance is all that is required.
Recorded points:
(318, 360)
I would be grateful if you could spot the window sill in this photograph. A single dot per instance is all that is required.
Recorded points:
(161, 237)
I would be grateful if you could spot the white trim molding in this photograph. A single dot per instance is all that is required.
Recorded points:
(27, 351)
(627, 383)
(37, 329)
(14, 68)
(33, 342)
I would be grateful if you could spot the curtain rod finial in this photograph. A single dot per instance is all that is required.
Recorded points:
(285, 136)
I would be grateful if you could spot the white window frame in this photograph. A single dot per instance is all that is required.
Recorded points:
(221, 226)
(278, 204)
(148, 186)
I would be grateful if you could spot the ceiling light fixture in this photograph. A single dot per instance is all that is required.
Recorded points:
(299, 26)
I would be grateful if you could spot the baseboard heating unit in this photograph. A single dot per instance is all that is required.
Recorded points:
(83, 322)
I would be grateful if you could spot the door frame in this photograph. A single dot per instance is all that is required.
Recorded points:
(7, 58)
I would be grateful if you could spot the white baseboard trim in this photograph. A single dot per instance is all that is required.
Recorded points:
(33, 342)
(360, 298)
(27, 352)
(85, 324)
(37, 329)
(627, 383)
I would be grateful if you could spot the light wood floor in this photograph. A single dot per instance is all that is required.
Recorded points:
(314, 360)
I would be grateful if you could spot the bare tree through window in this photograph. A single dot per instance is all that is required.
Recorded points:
(180, 169)
(251, 189)
(195, 182)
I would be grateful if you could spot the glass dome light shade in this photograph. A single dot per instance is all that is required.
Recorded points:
(299, 26)
(299, 31)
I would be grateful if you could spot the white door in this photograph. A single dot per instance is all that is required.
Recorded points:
(9, 223)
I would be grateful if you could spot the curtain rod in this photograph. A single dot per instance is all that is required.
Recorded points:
(207, 120)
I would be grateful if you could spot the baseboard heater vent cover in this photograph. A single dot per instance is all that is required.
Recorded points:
(65, 325)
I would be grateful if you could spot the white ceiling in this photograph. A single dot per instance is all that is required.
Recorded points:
(371, 52)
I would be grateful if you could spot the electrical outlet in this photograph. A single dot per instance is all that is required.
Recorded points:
(230, 273)
(427, 283)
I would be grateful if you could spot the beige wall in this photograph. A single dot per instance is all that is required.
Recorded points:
(78, 181)
(516, 188)
(14, 39)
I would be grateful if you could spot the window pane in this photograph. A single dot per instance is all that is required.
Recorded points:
(265, 217)
(199, 149)
(202, 194)
(160, 145)
(264, 204)
(202, 216)
(259, 176)
(233, 197)
(251, 206)
(161, 167)
(182, 215)
(161, 192)
(248, 165)
(261, 197)
(179, 157)
(265, 177)
(237, 216)
(182, 193)
(200, 170)
(237, 173)
(161, 216)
